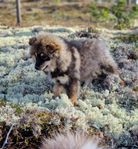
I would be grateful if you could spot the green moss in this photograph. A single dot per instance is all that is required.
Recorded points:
(135, 88)
(2, 102)
(18, 108)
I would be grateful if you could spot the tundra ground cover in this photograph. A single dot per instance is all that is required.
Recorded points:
(26, 97)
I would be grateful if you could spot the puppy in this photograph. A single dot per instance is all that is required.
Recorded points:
(71, 141)
(71, 61)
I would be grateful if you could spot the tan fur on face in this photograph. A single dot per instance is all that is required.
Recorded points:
(58, 45)
(51, 39)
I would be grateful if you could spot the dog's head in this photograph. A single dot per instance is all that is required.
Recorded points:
(45, 49)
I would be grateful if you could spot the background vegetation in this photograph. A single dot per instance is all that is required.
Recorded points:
(111, 14)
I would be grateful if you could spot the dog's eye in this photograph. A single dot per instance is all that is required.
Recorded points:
(49, 47)
(44, 57)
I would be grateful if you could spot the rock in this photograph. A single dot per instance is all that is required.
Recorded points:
(5, 33)
(37, 29)
(134, 130)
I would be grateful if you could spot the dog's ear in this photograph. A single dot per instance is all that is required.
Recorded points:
(32, 41)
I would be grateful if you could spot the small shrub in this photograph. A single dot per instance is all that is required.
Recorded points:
(99, 13)
(134, 12)
(119, 10)
(118, 14)
(105, 12)
(94, 10)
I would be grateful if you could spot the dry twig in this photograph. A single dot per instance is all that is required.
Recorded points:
(6, 140)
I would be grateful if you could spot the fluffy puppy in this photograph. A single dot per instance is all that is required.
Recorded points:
(71, 141)
(71, 61)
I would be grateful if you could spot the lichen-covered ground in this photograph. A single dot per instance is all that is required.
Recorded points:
(26, 98)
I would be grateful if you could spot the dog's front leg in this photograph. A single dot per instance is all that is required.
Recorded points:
(58, 88)
(73, 90)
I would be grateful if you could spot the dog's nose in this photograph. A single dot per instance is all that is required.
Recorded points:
(36, 67)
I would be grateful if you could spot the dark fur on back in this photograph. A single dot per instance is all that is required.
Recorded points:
(95, 58)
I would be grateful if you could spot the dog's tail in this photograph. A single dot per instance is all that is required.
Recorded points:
(71, 141)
